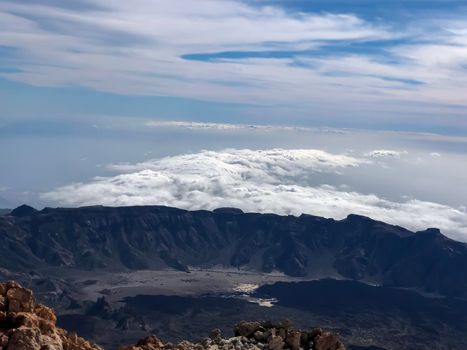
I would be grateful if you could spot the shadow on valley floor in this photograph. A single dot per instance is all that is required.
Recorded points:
(365, 317)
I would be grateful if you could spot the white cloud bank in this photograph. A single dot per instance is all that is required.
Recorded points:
(385, 153)
(278, 181)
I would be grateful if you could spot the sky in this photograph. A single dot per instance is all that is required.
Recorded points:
(320, 106)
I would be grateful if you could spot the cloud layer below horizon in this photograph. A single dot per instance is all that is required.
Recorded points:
(277, 181)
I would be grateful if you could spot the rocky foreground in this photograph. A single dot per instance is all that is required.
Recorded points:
(25, 324)
(253, 336)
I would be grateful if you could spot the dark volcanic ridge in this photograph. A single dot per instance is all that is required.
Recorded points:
(155, 237)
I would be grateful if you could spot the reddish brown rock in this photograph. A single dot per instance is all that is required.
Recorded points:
(46, 313)
(314, 333)
(19, 299)
(3, 340)
(23, 319)
(247, 329)
(148, 343)
(25, 338)
(71, 341)
(184, 345)
(328, 341)
(276, 342)
(286, 324)
(293, 340)
(30, 326)
(2, 303)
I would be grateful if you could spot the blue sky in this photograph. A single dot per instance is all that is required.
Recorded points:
(165, 87)
(364, 64)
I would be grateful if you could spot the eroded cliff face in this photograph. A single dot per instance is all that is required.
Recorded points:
(28, 325)
(155, 238)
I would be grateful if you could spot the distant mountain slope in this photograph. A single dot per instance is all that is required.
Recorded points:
(4, 211)
(154, 237)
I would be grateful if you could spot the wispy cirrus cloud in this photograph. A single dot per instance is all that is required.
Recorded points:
(260, 55)
(279, 181)
(197, 126)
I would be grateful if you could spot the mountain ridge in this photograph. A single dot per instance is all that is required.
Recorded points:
(157, 237)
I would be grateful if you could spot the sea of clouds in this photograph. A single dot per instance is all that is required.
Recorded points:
(282, 181)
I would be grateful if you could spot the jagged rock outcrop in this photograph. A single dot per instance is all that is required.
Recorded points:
(27, 325)
(252, 336)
